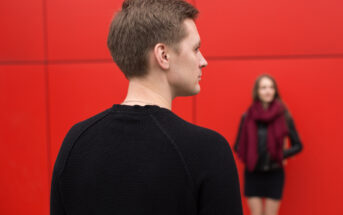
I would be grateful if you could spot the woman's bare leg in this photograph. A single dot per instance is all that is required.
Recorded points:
(272, 206)
(255, 205)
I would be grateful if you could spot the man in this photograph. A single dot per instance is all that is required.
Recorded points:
(138, 157)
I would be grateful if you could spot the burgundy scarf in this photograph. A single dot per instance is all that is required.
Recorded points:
(277, 130)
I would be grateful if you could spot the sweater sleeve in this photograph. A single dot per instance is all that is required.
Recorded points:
(56, 206)
(296, 145)
(219, 191)
(56, 198)
(239, 133)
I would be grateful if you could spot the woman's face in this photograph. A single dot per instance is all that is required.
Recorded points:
(266, 90)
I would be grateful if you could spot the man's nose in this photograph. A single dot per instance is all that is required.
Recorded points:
(203, 61)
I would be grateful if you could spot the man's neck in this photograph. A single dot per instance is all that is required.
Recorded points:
(144, 92)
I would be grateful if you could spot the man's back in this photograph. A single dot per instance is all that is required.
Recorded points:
(144, 160)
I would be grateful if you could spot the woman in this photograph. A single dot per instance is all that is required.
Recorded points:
(260, 145)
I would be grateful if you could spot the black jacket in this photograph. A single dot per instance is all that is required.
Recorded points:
(264, 162)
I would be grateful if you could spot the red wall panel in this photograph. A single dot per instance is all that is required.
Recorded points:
(78, 29)
(184, 108)
(312, 89)
(268, 27)
(24, 182)
(21, 25)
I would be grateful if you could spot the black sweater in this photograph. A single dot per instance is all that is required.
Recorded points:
(265, 163)
(137, 160)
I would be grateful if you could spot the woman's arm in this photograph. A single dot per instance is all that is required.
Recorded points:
(296, 145)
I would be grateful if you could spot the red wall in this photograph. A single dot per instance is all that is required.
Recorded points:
(55, 70)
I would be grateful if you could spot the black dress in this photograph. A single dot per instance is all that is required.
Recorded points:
(268, 177)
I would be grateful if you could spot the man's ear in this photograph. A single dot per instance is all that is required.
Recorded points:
(161, 55)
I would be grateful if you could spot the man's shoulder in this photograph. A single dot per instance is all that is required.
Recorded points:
(193, 134)
(212, 139)
(81, 126)
(73, 135)
(208, 134)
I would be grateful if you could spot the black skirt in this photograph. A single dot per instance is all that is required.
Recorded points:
(268, 184)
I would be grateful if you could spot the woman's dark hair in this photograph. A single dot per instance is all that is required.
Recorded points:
(277, 93)
(257, 85)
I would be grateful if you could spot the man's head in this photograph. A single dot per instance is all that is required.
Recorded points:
(164, 29)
